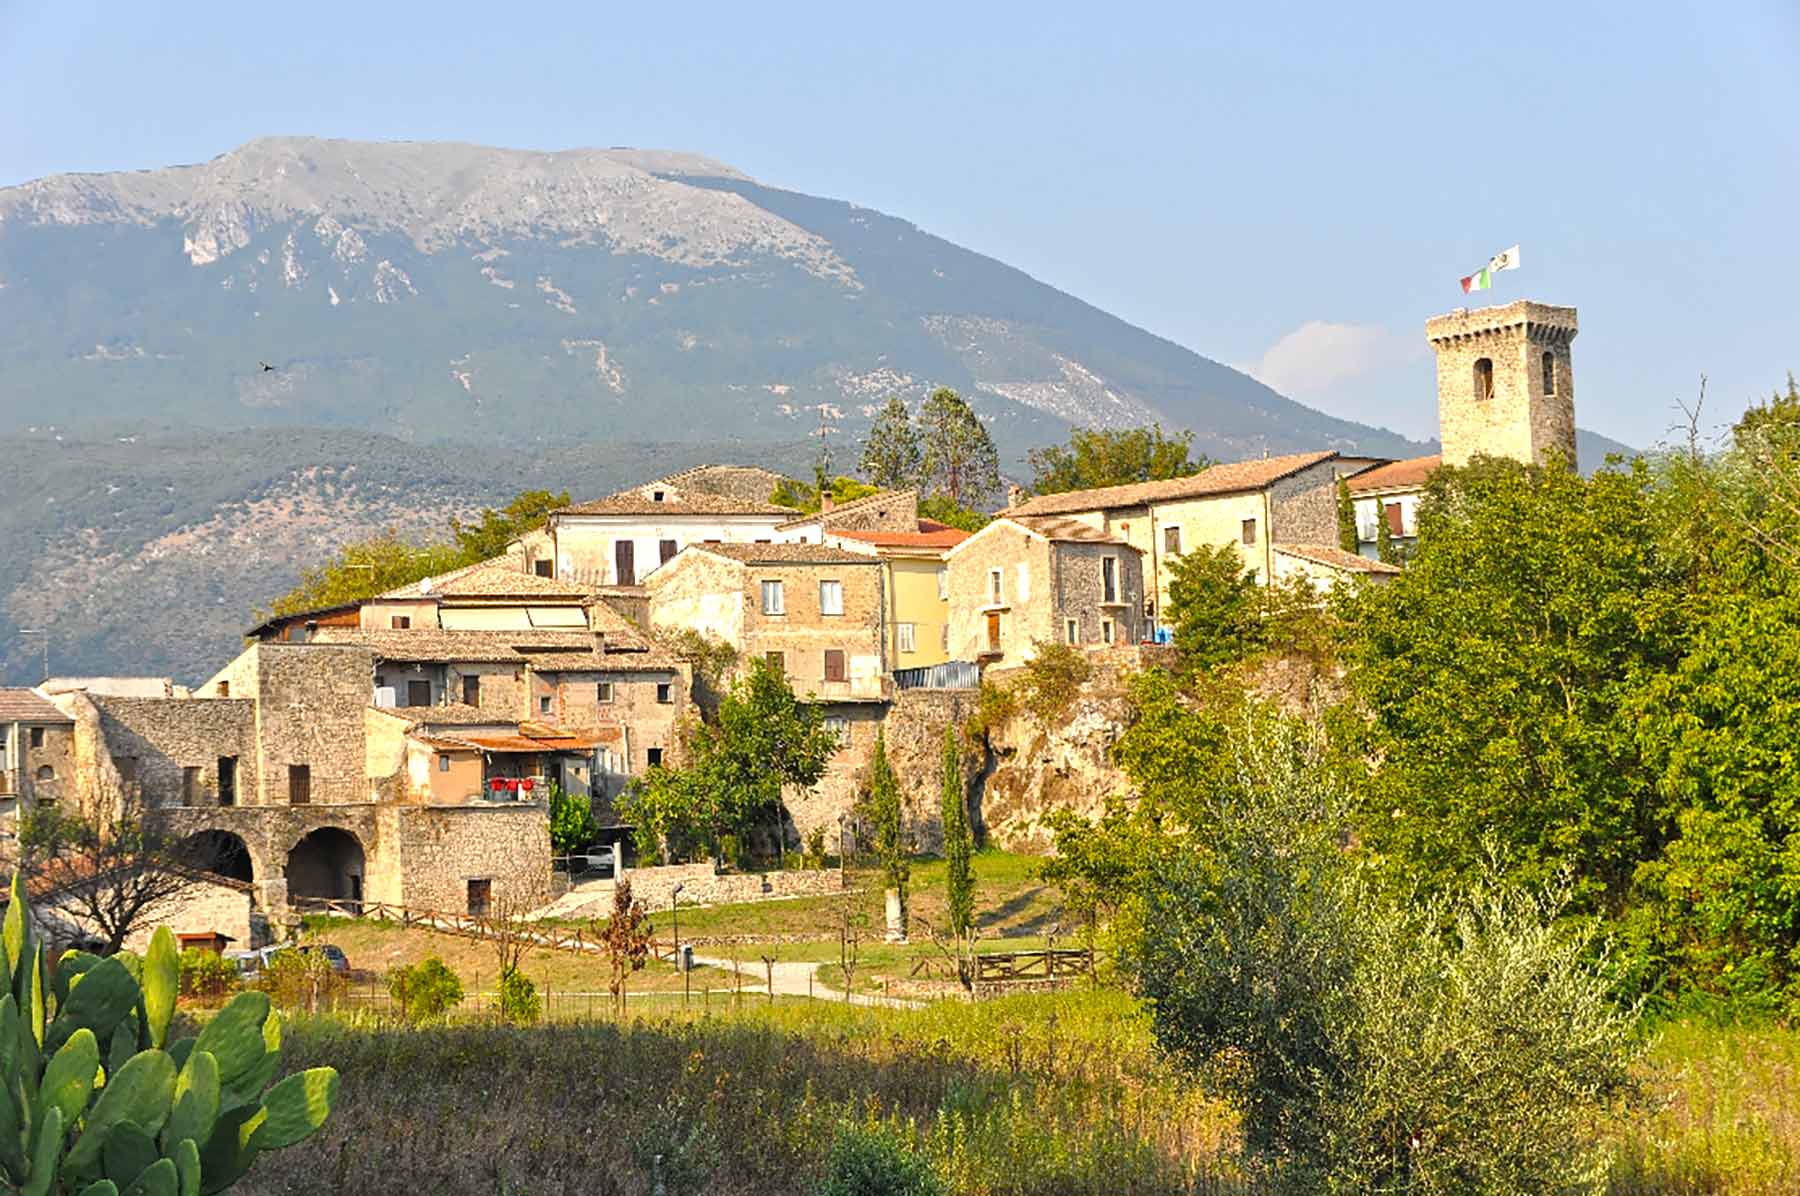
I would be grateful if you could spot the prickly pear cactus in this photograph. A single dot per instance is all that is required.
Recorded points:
(98, 1102)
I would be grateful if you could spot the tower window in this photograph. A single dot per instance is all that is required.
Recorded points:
(1549, 373)
(1484, 378)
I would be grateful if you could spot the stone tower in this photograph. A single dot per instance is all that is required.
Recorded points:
(1506, 382)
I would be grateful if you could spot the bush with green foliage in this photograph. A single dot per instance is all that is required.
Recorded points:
(1215, 607)
(98, 1101)
(804, 496)
(572, 822)
(1097, 457)
(877, 1159)
(1466, 1046)
(424, 990)
(519, 1001)
(1052, 679)
(885, 813)
(206, 975)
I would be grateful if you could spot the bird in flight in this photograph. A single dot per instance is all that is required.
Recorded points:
(266, 367)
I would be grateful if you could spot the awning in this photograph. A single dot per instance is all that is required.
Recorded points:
(524, 744)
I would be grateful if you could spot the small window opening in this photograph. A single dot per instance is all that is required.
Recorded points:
(544, 568)
(1484, 378)
(603, 693)
(37, 737)
(1249, 531)
(1071, 631)
(400, 622)
(653, 757)
(471, 690)
(665, 693)
(1549, 373)
(834, 665)
(544, 705)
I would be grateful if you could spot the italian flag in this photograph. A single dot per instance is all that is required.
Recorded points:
(1481, 280)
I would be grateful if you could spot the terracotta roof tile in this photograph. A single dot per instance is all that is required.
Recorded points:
(492, 579)
(641, 500)
(451, 714)
(1336, 558)
(785, 554)
(432, 645)
(1228, 478)
(854, 504)
(1068, 530)
(940, 537)
(28, 706)
(1411, 472)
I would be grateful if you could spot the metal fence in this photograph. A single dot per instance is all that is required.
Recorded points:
(952, 674)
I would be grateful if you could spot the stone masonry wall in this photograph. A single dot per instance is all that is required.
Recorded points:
(439, 849)
(1303, 508)
(1521, 419)
(310, 703)
(700, 885)
(1078, 592)
(164, 737)
(915, 745)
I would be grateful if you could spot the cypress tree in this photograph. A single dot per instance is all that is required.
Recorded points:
(1348, 540)
(958, 843)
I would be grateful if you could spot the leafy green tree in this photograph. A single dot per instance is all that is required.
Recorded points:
(425, 990)
(943, 509)
(1499, 677)
(891, 456)
(495, 529)
(1214, 606)
(519, 1000)
(959, 843)
(790, 492)
(959, 457)
(572, 822)
(1106, 457)
(1348, 539)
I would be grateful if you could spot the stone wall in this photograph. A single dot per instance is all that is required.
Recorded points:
(846, 773)
(201, 908)
(702, 886)
(642, 724)
(437, 850)
(157, 740)
(1522, 418)
(1078, 591)
(310, 703)
(1303, 508)
(915, 745)
(803, 634)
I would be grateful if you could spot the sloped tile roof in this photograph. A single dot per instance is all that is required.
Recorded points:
(942, 537)
(491, 579)
(28, 706)
(854, 504)
(1331, 556)
(451, 714)
(785, 554)
(1067, 530)
(1411, 472)
(641, 500)
(433, 646)
(1229, 478)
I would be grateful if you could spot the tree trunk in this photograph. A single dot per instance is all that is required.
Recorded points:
(896, 916)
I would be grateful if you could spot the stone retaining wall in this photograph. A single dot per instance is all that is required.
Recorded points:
(702, 886)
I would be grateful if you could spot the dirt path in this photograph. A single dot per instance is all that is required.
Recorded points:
(795, 979)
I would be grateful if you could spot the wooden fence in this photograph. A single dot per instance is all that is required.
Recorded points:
(580, 940)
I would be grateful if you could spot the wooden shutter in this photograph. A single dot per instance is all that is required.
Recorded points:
(1396, 524)
(624, 560)
(299, 784)
(834, 665)
(667, 550)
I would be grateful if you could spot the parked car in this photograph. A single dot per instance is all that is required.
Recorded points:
(251, 963)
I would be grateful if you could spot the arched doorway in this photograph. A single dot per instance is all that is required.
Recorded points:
(326, 863)
(221, 852)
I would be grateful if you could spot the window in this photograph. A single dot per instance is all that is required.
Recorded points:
(400, 622)
(831, 597)
(544, 568)
(1249, 531)
(1071, 631)
(665, 693)
(1106, 631)
(190, 785)
(773, 600)
(776, 659)
(299, 784)
(653, 757)
(603, 693)
(418, 693)
(443, 764)
(37, 737)
(224, 689)
(839, 728)
(472, 690)
(296, 633)
(1109, 579)
(943, 578)
(656, 496)
(1484, 378)
(228, 780)
(995, 594)
(624, 563)
(834, 665)
(1396, 519)
(1172, 540)
(46, 773)
(480, 893)
(544, 704)
(665, 549)
(903, 636)
(993, 631)
(1549, 373)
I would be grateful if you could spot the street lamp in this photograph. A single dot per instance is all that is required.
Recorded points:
(675, 919)
(45, 632)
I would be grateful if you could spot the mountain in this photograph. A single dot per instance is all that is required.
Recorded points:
(438, 292)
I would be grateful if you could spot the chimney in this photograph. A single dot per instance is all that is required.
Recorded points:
(1015, 495)
(825, 502)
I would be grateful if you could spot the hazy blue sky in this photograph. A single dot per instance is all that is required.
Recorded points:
(1291, 188)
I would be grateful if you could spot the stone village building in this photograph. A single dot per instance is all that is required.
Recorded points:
(37, 757)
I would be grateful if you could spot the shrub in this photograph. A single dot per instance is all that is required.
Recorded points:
(519, 1003)
(426, 989)
(994, 704)
(815, 847)
(1052, 679)
(206, 976)
(572, 822)
(296, 979)
(877, 1160)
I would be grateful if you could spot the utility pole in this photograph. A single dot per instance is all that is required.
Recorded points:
(45, 632)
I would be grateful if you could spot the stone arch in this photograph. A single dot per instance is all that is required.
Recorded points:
(326, 862)
(223, 852)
